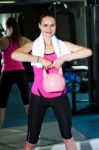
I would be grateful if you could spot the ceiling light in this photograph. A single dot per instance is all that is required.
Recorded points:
(7, 2)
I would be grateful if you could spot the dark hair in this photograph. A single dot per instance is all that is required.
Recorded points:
(11, 22)
(45, 14)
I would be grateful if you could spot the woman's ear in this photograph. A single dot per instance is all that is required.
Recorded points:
(11, 29)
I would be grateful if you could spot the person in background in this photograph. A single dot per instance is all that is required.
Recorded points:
(1, 35)
(12, 71)
(49, 53)
(0, 63)
(27, 65)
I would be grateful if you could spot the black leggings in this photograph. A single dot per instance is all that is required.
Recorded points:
(7, 79)
(37, 109)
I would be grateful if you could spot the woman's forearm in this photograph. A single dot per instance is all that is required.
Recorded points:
(23, 57)
(84, 53)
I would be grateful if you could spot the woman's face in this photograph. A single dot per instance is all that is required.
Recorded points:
(9, 31)
(48, 26)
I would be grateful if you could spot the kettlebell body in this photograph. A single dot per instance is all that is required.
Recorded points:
(53, 82)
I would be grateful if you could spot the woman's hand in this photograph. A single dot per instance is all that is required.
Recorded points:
(58, 62)
(46, 63)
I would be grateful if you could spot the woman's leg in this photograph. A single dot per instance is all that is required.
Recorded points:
(36, 114)
(62, 111)
(2, 116)
(22, 84)
(5, 87)
(70, 144)
(29, 146)
(26, 108)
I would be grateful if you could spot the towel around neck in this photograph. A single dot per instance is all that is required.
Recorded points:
(38, 48)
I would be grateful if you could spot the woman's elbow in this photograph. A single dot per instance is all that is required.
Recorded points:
(13, 55)
(89, 52)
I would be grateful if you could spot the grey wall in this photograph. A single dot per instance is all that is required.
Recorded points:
(79, 12)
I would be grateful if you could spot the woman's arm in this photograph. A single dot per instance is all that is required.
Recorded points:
(77, 52)
(4, 43)
(23, 54)
(24, 40)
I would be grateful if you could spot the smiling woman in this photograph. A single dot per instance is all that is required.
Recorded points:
(67, 29)
(49, 52)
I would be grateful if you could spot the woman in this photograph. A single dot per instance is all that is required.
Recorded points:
(50, 53)
(12, 71)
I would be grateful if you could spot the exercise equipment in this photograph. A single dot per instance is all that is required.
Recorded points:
(53, 82)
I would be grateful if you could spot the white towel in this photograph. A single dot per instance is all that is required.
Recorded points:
(38, 48)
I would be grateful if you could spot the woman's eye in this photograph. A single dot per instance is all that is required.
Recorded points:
(52, 25)
(45, 25)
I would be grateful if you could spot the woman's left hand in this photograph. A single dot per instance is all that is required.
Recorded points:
(58, 62)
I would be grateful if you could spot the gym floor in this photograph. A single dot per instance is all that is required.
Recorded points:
(13, 135)
(14, 138)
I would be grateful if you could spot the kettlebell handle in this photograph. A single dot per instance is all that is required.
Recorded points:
(45, 73)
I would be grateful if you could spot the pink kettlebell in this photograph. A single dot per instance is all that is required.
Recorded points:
(53, 82)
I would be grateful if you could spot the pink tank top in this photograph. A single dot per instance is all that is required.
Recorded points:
(38, 79)
(9, 64)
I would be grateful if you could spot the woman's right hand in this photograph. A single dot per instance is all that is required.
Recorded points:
(46, 63)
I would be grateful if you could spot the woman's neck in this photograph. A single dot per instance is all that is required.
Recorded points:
(48, 45)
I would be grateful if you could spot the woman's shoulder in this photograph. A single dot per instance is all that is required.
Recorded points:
(3, 39)
(24, 40)
(4, 42)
